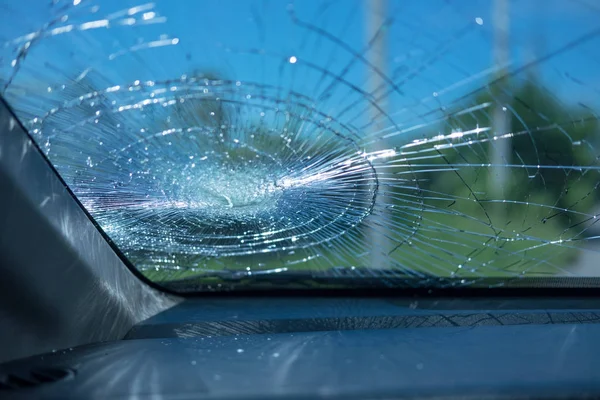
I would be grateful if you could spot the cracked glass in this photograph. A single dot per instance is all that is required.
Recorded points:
(249, 144)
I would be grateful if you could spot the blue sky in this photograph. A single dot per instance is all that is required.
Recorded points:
(432, 45)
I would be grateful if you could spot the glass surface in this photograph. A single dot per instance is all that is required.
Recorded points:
(243, 144)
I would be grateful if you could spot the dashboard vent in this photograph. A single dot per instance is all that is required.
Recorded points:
(34, 378)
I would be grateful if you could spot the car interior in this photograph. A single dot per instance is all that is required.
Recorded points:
(284, 199)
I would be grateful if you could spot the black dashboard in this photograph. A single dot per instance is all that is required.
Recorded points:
(334, 347)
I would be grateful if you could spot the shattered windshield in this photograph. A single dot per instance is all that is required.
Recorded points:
(227, 144)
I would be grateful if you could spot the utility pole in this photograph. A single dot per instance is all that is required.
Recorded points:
(377, 55)
(501, 118)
